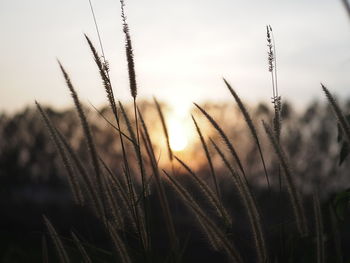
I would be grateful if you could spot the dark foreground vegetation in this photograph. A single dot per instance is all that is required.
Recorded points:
(265, 184)
(34, 183)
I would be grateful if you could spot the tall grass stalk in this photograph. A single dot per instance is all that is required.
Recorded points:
(320, 246)
(336, 238)
(159, 187)
(45, 254)
(104, 73)
(298, 208)
(207, 154)
(87, 134)
(133, 90)
(119, 244)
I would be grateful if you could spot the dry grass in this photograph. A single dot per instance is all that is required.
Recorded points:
(122, 204)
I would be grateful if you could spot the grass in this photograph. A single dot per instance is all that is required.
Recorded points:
(122, 202)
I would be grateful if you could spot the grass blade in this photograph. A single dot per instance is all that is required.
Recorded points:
(81, 248)
(319, 229)
(118, 244)
(62, 253)
(45, 254)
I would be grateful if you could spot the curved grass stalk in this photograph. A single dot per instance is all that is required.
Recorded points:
(72, 178)
(207, 154)
(345, 126)
(225, 139)
(86, 128)
(61, 251)
(251, 127)
(251, 207)
(209, 194)
(165, 129)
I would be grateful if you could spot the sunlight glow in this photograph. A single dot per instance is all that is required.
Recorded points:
(177, 135)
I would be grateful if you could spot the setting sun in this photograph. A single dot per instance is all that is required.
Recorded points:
(177, 136)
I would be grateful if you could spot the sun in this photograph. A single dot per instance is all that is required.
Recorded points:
(177, 135)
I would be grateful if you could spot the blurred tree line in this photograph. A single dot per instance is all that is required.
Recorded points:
(28, 158)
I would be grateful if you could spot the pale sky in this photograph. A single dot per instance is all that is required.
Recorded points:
(183, 48)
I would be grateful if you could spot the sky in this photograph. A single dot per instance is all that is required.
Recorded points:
(182, 48)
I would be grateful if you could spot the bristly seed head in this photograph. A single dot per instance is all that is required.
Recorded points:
(270, 54)
(129, 53)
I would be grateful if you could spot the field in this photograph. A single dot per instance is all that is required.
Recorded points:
(131, 183)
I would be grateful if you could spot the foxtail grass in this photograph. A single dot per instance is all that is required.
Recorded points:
(272, 66)
(84, 124)
(251, 126)
(208, 193)
(226, 140)
(104, 73)
(165, 129)
(129, 53)
(250, 205)
(87, 133)
(72, 178)
(88, 183)
(344, 124)
(214, 230)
